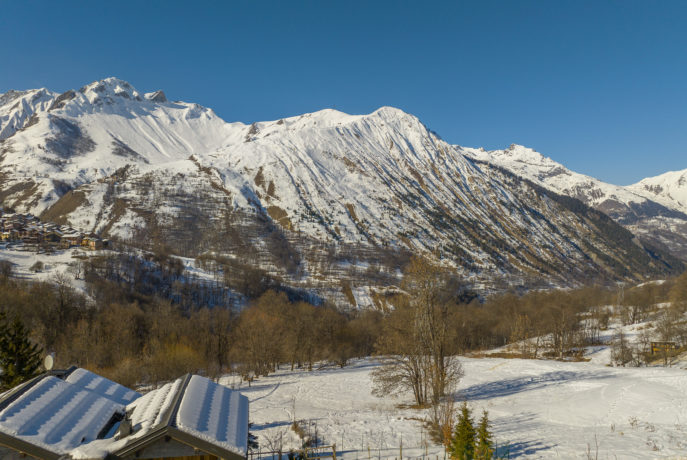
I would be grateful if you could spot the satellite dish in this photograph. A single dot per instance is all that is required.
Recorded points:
(49, 361)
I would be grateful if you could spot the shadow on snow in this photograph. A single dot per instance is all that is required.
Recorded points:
(512, 386)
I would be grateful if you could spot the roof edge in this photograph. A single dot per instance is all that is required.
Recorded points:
(206, 446)
(25, 447)
(171, 415)
(14, 394)
(178, 435)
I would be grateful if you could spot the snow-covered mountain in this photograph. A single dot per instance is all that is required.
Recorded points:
(17, 108)
(669, 189)
(655, 208)
(292, 191)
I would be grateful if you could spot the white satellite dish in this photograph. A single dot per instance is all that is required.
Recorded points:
(49, 361)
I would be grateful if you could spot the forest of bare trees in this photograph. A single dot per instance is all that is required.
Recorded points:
(125, 330)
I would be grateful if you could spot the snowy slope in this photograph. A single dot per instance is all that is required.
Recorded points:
(538, 409)
(110, 159)
(654, 208)
(546, 172)
(669, 189)
(17, 108)
(88, 134)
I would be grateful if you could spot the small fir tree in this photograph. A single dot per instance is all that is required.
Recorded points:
(463, 442)
(20, 360)
(484, 448)
(253, 444)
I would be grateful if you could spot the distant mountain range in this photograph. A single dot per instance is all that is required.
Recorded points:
(654, 208)
(326, 198)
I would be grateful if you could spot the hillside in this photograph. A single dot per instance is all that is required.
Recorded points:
(669, 188)
(313, 199)
(654, 209)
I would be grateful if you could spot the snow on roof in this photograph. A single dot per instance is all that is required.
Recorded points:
(102, 386)
(150, 409)
(146, 414)
(214, 413)
(66, 416)
(57, 416)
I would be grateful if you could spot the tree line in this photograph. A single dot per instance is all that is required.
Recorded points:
(134, 336)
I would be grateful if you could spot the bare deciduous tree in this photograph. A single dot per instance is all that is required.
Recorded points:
(417, 337)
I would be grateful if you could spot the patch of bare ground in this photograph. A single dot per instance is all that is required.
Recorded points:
(118, 210)
(67, 204)
(280, 216)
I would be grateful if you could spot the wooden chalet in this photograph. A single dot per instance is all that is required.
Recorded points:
(53, 237)
(9, 235)
(70, 240)
(32, 235)
(78, 414)
(92, 242)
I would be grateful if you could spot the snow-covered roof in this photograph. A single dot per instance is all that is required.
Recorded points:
(107, 388)
(215, 413)
(57, 416)
(211, 414)
(149, 411)
(77, 414)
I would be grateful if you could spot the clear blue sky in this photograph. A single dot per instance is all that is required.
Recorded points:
(599, 86)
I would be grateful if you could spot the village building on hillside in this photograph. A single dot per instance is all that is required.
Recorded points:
(76, 414)
(70, 239)
(29, 230)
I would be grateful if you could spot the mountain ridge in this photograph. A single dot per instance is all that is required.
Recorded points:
(109, 159)
(658, 218)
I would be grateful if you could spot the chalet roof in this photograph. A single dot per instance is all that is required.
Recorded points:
(193, 410)
(88, 380)
(55, 416)
(212, 411)
(77, 413)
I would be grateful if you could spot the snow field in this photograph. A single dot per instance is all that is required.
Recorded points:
(54, 263)
(540, 409)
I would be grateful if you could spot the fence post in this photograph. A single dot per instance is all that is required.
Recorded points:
(334, 451)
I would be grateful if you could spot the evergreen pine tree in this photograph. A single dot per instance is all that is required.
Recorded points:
(20, 360)
(252, 439)
(463, 442)
(484, 449)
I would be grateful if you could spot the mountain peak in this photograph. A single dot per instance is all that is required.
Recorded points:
(515, 153)
(109, 87)
(156, 96)
(524, 154)
(669, 188)
(389, 111)
(12, 95)
(392, 113)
